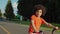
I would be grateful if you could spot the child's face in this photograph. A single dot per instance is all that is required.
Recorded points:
(39, 13)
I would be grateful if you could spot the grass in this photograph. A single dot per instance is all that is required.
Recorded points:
(49, 29)
(27, 23)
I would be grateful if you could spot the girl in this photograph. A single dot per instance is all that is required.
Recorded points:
(37, 20)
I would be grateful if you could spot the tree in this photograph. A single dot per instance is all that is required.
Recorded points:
(0, 13)
(9, 10)
(25, 8)
(53, 11)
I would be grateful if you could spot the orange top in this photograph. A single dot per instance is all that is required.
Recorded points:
(37, 23)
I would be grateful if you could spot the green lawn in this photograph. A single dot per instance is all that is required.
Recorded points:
(27, 23)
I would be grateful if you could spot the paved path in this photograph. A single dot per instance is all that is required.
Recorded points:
(13, 28)
(2, 32)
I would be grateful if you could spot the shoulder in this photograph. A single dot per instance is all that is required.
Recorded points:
(33, 17)
(42, 19)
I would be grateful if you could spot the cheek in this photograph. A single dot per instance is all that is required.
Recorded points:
(40, 13)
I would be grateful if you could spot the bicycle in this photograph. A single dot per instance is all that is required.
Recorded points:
(41, 32)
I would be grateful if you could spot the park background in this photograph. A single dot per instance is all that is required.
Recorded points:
(19, 11)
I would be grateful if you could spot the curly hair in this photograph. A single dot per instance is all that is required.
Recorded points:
(38, 7)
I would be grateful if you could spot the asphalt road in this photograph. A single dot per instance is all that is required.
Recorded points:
(13, 28)
(2, 32)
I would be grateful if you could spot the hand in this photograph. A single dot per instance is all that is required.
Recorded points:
(36, 31)
(56, 28)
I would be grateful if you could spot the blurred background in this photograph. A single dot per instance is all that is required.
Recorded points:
(19, 12)
(23, 9)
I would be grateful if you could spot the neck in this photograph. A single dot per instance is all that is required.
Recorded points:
(38, 16)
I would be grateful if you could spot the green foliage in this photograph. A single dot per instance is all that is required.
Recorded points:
(9, 10)
(25, 8)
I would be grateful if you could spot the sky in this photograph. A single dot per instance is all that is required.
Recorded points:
(3, 4)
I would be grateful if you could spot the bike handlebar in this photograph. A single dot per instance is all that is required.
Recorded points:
(43, 33)
(53, 30)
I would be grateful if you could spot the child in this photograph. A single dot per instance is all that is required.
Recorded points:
(37, 20)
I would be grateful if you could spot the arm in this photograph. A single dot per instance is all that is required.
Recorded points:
(49, 25)
(32, 22)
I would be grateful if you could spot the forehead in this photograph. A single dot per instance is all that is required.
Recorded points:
(40, 10)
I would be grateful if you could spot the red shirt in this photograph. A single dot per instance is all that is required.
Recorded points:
(37, 23)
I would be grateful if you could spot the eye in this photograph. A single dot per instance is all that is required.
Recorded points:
(40, 11)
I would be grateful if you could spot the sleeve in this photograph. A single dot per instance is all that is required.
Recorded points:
(32, 17)
(43, 21)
